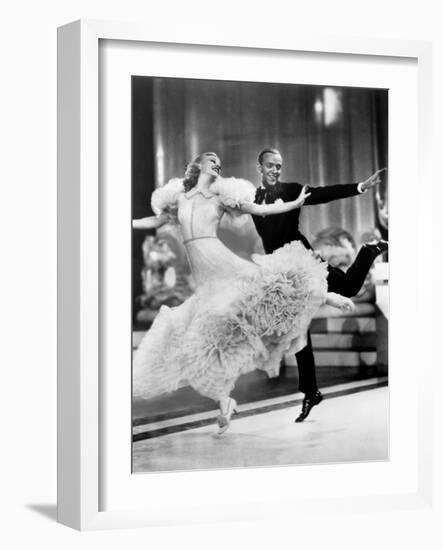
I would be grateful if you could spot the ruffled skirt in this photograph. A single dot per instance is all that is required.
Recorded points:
(233, 325)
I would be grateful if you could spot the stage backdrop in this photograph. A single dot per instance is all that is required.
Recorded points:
(326, 136)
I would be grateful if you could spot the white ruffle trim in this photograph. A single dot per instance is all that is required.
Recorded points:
(245, 323)
(233, 191)
(164, 199)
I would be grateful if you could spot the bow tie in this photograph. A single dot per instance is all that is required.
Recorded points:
(268, 194)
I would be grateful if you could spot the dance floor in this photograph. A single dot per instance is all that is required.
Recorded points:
(346, 428)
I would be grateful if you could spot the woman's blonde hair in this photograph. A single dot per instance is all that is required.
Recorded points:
(193, 171)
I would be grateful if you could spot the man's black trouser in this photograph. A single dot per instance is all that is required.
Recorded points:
(347, 284)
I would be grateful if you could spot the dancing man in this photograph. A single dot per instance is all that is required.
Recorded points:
(276, 231)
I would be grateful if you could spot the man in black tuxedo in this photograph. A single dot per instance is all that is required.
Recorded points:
(275, 231)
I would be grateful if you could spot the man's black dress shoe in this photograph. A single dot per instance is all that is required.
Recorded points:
(378, 247)
(308, 402)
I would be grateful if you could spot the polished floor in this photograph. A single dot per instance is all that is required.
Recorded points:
(347, 428)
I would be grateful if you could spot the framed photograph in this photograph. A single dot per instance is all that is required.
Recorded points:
(232, 319)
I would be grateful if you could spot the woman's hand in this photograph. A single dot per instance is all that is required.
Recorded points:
(340, 302)
(303, 196)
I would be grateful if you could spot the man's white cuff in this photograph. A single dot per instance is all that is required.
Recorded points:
(360, 188)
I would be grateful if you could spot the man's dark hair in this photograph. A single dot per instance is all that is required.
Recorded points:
(267, 150)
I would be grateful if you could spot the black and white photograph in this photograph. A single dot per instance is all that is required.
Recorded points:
(259, 274)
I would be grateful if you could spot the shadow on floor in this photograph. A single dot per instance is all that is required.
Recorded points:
(48, 511)
(249, 388)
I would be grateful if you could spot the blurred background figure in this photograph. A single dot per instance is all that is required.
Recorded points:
(338, 247)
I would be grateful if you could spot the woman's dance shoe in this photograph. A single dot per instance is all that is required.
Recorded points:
(224, 419)
(378, 247)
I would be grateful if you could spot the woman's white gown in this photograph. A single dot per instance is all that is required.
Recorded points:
(244, 314)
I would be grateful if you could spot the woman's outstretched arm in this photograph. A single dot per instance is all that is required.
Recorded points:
(340, 302)
(276, 208)
(151, 222)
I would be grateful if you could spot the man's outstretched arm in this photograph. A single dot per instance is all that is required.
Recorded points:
(321, 195)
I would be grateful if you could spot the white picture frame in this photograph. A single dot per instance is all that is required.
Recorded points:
(80, 437)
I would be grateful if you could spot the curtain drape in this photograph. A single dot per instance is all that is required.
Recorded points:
(327, 135)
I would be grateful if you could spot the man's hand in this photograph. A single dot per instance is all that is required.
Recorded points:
(372, 181)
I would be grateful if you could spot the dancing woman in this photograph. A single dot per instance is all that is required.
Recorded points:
(244, 314)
